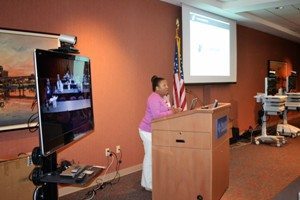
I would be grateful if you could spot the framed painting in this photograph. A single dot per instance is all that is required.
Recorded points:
(17, 79)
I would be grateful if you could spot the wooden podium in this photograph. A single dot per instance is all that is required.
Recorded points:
(190, 153)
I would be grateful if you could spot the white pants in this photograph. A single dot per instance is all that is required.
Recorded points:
(146, 181)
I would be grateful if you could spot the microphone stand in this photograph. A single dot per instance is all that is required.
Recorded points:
(190, 92)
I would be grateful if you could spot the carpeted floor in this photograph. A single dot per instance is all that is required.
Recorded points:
(257, 172)
(260, 172)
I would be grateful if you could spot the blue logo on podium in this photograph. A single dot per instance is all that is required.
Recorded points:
(221, 126)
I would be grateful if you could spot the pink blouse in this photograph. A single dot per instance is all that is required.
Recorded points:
(156, 107)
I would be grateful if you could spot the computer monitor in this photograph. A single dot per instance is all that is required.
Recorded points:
(64, 94)
(215, 104)
(271, 83)
(292, 82)
(193, 103)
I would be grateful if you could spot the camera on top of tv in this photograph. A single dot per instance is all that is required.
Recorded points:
(67, 43)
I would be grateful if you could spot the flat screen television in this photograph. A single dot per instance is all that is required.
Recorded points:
(64, 94)
(292, 82)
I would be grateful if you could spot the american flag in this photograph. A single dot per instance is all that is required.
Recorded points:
(178, 85)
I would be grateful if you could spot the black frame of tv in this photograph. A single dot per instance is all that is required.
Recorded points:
(66, 113)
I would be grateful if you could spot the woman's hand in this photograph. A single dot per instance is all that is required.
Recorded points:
(176, 110)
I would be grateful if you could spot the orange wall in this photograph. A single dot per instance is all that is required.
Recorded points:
(128, 41)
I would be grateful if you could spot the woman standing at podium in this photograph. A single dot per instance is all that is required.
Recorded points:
(157, 106)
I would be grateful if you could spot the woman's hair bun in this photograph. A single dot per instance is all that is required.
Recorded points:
(153, 78)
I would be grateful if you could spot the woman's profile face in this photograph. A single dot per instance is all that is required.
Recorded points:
(162, 88)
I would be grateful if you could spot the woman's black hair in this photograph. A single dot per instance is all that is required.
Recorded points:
(155, 80)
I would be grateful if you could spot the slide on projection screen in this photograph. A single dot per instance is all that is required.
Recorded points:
(209, 47)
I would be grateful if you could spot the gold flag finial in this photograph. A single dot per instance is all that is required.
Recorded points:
(177, 27)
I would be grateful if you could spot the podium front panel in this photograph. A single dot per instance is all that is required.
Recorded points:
(190, 153)
(185, 122)
(174, 169)
(182, 139)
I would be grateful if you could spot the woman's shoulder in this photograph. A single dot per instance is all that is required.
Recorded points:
(153, 96)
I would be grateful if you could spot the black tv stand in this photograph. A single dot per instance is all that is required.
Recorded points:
(55, 177)
(48, 177)
(46, 190)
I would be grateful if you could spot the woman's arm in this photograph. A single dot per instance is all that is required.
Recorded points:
(154, 106)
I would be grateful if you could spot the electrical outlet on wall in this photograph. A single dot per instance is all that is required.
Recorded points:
(29, 161)
(118, 149)
(107, 152)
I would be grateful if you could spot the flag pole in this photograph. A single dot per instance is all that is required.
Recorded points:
(178, 42)
(178, 85)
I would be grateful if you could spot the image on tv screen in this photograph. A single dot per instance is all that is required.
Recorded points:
(64, 98)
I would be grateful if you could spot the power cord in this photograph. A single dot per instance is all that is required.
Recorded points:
(92, 193)
(101, 185)
(117, 177)
(32, 119)
(251, 131)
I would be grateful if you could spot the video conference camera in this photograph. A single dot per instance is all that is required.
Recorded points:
(69, 39)
(67, 43)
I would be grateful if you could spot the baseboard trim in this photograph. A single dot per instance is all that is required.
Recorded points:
(71, 189)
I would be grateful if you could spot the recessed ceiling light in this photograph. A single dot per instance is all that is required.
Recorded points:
(279, 7)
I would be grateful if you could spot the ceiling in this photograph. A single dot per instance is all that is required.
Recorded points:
(277, 17)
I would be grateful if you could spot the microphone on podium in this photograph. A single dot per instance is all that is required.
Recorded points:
(195, 99)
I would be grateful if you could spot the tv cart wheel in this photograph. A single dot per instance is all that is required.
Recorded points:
(38, 193)
(283, 141)
(257, 142)
(278, 144)
(36, 155)
(293, 135)
(36, 175)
